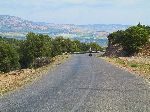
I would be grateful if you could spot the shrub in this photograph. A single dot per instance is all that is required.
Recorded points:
(39, 62)
(133, 65)
(9, 58)
(135, 37)
(131, 39)
(36, 46)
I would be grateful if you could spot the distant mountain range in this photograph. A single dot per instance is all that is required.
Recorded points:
(15, 27)
(16, 24)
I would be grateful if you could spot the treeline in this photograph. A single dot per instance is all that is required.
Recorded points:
(36, 50)
(132, 39)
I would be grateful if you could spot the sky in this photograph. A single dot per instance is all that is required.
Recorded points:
(128, 12)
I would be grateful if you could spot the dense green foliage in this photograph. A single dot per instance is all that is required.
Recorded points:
(37, 50)
(36, 46)
(131, 39)
(95, 47)
(9, 58)
(61, 45)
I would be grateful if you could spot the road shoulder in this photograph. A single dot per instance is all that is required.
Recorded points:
(134, 66)
(17, 79)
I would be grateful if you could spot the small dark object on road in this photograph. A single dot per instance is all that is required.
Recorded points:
(90, 54)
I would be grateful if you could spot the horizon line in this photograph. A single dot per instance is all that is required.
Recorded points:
(67, 23)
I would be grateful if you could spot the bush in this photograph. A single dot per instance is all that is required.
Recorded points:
(36, 50)
(135, 37)
(133, 65)
(131, 39)
(95, 47)
(61, 45)
(9, 58)
(36, 46)
(39, 62)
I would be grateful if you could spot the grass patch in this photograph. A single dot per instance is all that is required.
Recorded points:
(119, 61)
(134, 65)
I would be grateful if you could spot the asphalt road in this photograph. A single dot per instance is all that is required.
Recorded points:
(82, 84)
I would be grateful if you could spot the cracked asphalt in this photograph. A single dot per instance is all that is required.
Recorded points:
(82, 84)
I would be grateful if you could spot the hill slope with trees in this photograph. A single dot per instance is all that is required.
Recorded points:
(129, 42)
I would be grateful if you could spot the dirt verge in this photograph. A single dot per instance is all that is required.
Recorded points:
(15, 79)
(136, 65)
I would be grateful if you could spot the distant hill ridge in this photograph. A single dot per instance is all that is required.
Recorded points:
(16, 24)
(12, 23)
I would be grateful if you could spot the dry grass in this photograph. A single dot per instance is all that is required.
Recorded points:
(15, 79)
(137, 65)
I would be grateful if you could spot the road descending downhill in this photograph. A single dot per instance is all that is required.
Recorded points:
(82, 84)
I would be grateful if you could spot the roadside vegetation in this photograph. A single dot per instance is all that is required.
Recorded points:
(22, 61)
(128, 42)
(132, 64)
(18, 78)
(36, 51)
(125, 46)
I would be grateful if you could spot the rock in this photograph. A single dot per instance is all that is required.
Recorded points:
(114, 50)
(13, 73)
(145, 51)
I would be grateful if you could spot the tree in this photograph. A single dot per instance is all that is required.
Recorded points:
(131, 39)
(36, 46)
(57, 46)
(95, 47)
(61, 45)
(78, 47)
(135, 37)
(9, 58)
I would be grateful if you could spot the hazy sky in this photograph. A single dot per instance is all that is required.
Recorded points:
(79, 11)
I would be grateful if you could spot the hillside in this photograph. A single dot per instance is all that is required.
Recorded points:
(16, 24)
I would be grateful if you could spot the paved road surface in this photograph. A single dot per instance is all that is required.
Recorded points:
(82, 84)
